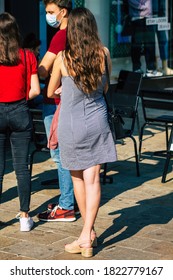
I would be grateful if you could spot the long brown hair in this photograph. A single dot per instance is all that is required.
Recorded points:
(9, 40)
(84, 50)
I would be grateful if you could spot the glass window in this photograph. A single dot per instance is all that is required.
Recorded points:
(141, 35)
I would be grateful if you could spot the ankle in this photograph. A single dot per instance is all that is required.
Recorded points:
(84, 243)
(24, 214)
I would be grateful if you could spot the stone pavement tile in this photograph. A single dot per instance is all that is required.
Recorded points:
(32, 250)
(163, 248)
(136, 242)
(5, 241)
(123, 253)
(7, 256)
(37, 236)
(161, 234)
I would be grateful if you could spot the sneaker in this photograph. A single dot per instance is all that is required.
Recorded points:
(52, 205)
(26, 224)
(153, 73)
(57, 215)
(139, 71)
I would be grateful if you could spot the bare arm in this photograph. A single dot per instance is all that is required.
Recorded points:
(55, 79)
(34, 86)
(46, 64)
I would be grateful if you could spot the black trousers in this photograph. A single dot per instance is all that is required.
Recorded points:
(16, 123)
(143, 35)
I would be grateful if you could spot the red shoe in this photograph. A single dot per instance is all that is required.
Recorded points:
(57, 215)
(51, 206)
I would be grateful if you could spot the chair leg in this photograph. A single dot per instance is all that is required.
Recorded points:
(104, 177)
(140, 139)
(165, 171)
(136, 156)
(167, 136)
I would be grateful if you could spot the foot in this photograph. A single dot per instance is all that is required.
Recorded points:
(57, 215)
(26, 224)
(52, 205)
(78, 246)
(168, 71)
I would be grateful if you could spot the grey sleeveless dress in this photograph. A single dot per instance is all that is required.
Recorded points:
(84, 135)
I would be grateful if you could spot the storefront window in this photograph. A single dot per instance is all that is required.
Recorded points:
(148, 43)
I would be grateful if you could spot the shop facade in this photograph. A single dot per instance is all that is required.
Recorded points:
(109, 14)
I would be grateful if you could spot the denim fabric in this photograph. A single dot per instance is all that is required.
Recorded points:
(16, 123)
(163, 44)
(66, 200)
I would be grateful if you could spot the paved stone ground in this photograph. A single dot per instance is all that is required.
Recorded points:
(135, 219)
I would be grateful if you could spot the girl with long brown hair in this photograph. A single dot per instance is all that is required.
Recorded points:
(85, 139)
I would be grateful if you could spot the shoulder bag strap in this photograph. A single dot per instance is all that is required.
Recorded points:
(108, 81)
(25, 63)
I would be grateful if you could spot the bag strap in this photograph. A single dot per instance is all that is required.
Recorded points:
(24, 52)
(108, 81)
(107, 70)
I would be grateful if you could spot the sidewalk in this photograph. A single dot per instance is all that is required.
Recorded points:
(135, 219)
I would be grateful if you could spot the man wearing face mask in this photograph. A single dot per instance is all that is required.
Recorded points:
(57, 12)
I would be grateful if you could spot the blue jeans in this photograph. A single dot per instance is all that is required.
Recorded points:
(66, 200)
(163, 44)
(16, 123)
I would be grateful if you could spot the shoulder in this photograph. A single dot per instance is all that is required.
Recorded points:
(106, 51)
(29, 54)
(58, 42)
(59, 35)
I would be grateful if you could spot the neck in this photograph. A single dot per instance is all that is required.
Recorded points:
(63, 23)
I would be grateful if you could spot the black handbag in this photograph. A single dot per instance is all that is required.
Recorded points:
(115, 120)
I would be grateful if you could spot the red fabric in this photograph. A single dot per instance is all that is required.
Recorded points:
(12, 78)
(58, 41)
(53, 136)
(57, 44)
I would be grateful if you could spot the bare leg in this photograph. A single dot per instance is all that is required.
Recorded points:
(79, 191)
(87, 184)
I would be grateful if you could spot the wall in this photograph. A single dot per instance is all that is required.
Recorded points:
(1, 6)
(100, 9)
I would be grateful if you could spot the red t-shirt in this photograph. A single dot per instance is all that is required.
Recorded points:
(57, 44)
(12, 78)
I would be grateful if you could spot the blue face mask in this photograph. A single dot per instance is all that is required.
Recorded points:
(52, 21)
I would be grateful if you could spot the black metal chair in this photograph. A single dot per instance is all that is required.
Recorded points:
(123, 98)
(157, 106)
(40, 140)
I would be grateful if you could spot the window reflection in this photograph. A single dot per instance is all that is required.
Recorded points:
(140, 35)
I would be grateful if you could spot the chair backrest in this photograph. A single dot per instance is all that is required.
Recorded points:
(124, 96)
(157, 105)
(39, 133)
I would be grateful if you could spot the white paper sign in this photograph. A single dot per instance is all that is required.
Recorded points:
(158, 20)
(164, 26)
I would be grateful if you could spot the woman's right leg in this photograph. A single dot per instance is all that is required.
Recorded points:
(87, 192)
(79, 191)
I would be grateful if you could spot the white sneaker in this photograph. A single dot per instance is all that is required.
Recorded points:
(153, 73)
(26, 224)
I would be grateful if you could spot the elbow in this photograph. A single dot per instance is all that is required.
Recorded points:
(42, 72)
(49, 95)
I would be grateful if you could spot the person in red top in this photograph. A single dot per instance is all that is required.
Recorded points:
(15, 120)
(57, 12)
